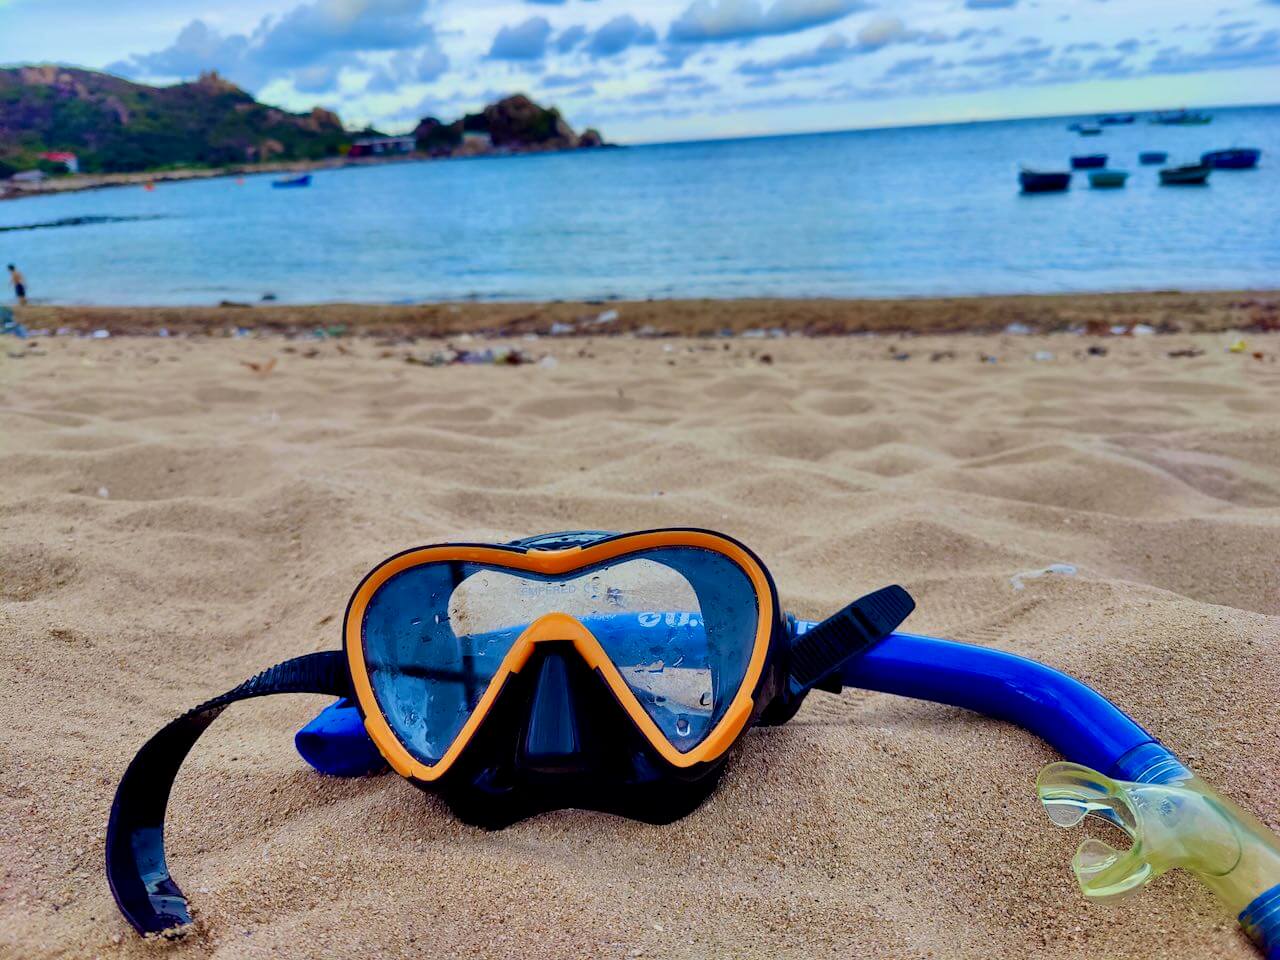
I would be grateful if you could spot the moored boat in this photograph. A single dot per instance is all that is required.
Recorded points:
(1089, 161)
(1238, 158)
(1108, 179)
(300, 181)
(1116, 119)
(1150, 157)
(1044, 181)
(1182, 118)
(1187, 175)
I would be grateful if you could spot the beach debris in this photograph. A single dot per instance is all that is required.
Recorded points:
(1142, 330)
(1017, 329)
(104, 493)
(1097, 351)
(1187, 352)
(324, 333)
(900, 356)
(605, 316)
(1054, 569)
(559, 329)
(1042, 356)
(987, 358)
(261, 369)
(10, 325)
(766, 358)
(502, 357)
(941, 355)
(100, 334)
(1239, 345)
(549, 362)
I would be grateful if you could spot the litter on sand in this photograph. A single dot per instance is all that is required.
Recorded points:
(1062, 569)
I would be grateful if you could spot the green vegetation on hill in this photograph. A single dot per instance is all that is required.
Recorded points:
(117, 126)
(114, 125)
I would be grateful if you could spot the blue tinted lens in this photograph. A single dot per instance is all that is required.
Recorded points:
(679, 623)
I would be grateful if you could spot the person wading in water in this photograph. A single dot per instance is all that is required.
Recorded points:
(19, 283)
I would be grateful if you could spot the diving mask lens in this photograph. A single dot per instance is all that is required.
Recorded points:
(678, 623)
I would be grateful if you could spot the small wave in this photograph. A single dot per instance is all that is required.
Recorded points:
(76, 222)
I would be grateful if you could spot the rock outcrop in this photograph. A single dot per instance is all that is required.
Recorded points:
(514, 124)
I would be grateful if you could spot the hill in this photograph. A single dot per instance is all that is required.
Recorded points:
(115, 125)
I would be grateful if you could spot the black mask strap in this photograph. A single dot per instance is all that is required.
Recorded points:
(136, 868)
(821, 651)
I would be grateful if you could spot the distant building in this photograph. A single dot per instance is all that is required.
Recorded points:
(68, 160)
(382, 146)
(476, 138)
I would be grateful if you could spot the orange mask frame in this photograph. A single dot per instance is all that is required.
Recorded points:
(560, 627)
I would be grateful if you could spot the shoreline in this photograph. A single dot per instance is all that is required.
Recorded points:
(83, 182)
(1097, 313)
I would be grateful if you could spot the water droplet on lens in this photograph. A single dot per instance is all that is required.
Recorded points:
(682, 727)
(415, 621)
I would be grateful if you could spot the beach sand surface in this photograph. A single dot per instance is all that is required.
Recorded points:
(173, 522)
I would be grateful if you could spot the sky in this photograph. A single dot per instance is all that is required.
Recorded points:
(680, 69)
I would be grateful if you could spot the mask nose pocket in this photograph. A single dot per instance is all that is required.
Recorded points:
(552, 740)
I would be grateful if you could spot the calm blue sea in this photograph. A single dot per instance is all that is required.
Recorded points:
(906, 212)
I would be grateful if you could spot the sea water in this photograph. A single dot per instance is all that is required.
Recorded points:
(898, 212)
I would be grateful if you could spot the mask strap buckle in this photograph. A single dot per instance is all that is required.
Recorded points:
(818, 654)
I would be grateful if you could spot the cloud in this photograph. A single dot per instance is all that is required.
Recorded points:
(1230, 51)
(990, 4)
(312, 31)
(570, 38)
(619, 34)
(198, 47)
(717, 21)
(407, 67)
(310, 44)
(524, 41)
(876, 35)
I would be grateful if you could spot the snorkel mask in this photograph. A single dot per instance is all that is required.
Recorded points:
(616, 672)
(588, 670)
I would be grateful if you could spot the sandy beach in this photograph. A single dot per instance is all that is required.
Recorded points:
(174, 521)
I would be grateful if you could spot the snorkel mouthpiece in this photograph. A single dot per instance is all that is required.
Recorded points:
(1181, 822)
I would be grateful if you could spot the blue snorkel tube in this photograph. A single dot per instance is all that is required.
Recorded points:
(1114, 770)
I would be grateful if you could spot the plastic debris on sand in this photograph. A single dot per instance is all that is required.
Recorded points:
(1061, 569)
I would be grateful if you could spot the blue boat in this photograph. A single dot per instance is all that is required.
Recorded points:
(1089, 161)
(1043, 181)
(302, 181)
(1151, 157)
(1240, 158)
(1116, 119)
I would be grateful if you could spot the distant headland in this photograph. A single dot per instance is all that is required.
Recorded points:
(64, 128)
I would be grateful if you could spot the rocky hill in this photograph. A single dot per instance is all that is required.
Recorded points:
(114, 125)
(515, 124)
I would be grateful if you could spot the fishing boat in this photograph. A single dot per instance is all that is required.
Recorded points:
(1151, 157)
(1089, 161)
(1044, 181)
(1116, 119)
(300, 181)
(1238, 158)
(1108, 179)
(1187, 175)
(1085, 129)
(1182, 118)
